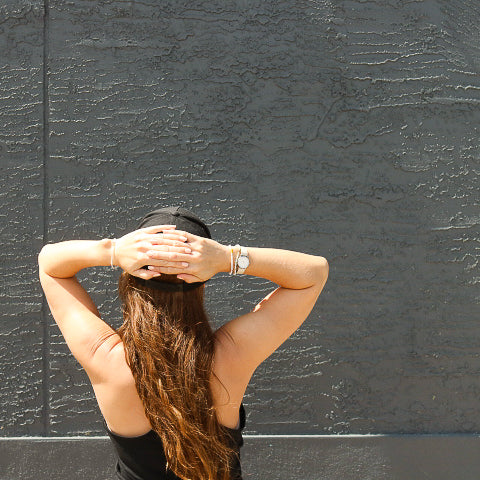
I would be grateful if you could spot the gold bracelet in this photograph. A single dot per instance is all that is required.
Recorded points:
(236, 259)
(231, 260)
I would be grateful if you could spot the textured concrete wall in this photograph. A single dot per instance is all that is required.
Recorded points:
(346, 129)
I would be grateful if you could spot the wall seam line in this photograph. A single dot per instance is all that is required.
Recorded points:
(46, 153)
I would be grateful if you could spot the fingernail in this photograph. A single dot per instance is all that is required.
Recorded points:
(188, 250)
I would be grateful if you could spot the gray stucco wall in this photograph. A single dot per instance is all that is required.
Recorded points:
(343, 129)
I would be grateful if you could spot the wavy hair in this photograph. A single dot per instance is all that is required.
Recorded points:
(169, 347)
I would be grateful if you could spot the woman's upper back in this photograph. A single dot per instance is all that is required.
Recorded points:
(123, 409)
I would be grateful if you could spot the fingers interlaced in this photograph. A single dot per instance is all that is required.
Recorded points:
(166, 239)
(168, 253)
(161, 250)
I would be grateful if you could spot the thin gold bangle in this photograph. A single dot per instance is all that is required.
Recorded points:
(236, 261)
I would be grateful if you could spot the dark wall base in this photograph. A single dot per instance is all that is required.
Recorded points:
(393, 457)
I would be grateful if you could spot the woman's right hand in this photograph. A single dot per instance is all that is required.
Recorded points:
(206, 259)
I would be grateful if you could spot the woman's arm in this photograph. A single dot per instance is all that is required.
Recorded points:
(90, 339)
(66, 259)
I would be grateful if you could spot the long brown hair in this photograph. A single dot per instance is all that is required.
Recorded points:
(169, 346)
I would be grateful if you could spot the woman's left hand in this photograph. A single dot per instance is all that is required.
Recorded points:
(131, 250)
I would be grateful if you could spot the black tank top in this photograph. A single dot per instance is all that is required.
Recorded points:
(143, 457)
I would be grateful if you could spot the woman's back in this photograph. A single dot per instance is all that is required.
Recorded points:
(139, 449)
(123, 409)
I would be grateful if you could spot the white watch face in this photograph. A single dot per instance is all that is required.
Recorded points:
(243, 262)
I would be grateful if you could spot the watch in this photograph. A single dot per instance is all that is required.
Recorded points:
(243, 261)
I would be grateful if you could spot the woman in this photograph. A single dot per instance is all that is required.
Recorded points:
(170, 388)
